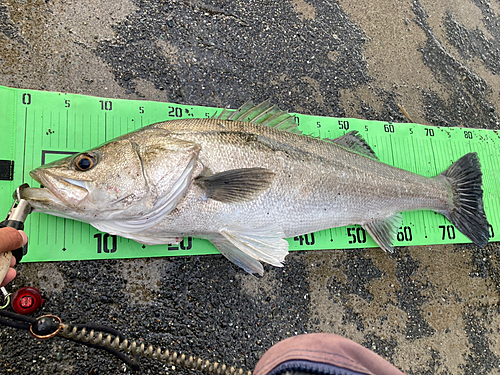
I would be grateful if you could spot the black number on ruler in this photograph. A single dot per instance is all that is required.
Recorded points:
(141, 109)
(318, 124)
(357, 234)
(189, 245)
(106, 105)
(102, 243)
(404, 234)
(343, 125)
(174, 111)
(389, 128)
(297, 120)
(307, 239)
(492, 234)
(429, 132)
(67, 103)
(467, 134)
(183, 245)
(448, 232)
(26, 98)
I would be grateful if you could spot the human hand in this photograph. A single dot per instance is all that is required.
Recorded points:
(11, 239)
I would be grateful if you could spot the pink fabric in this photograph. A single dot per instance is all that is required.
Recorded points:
(326, 348)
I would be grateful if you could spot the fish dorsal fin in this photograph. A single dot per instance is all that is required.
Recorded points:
(384, 231)
(247, 247)
(264, 114)
(236, 185)
(355, 142)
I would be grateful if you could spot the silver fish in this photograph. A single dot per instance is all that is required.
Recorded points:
(246, 181)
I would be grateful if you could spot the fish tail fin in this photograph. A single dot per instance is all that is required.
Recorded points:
(467, 211)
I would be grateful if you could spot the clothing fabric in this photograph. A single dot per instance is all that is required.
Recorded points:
(322, 352)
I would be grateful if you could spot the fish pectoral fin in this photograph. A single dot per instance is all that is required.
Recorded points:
(355, 142)
(385, 231)
(248, 247)
(236, 185)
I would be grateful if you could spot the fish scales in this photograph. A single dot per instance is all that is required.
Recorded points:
(336, 187)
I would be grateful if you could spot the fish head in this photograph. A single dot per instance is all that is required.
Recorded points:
(122, 179)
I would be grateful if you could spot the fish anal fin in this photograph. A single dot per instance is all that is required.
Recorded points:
(236, 185)
(384, 232)
(355, 142)
(248, 247)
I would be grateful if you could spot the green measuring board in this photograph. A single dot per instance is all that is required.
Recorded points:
(40, 127)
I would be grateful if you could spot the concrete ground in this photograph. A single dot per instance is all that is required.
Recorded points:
(427, 310)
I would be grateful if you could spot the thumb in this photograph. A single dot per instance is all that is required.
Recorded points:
(10, 239)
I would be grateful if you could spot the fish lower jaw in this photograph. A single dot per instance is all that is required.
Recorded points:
(41, 196)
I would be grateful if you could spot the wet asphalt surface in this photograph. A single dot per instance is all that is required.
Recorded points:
(427, 310)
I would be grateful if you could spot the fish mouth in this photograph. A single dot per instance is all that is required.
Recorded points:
(56, 189)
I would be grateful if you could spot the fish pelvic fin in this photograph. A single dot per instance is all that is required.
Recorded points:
(236, 185)
(384, 231)
(242, 260)
(248, 247)
(467, 211)
(264, 114)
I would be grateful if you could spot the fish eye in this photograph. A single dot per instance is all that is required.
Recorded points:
(85, 162)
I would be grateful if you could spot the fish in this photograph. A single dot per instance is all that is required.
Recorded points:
(246, 181)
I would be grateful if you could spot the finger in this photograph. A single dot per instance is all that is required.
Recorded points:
(24, 236)
(10, 239)
(9, 276)
(12, 262)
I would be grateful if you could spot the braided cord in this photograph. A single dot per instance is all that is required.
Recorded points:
(114, 342)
